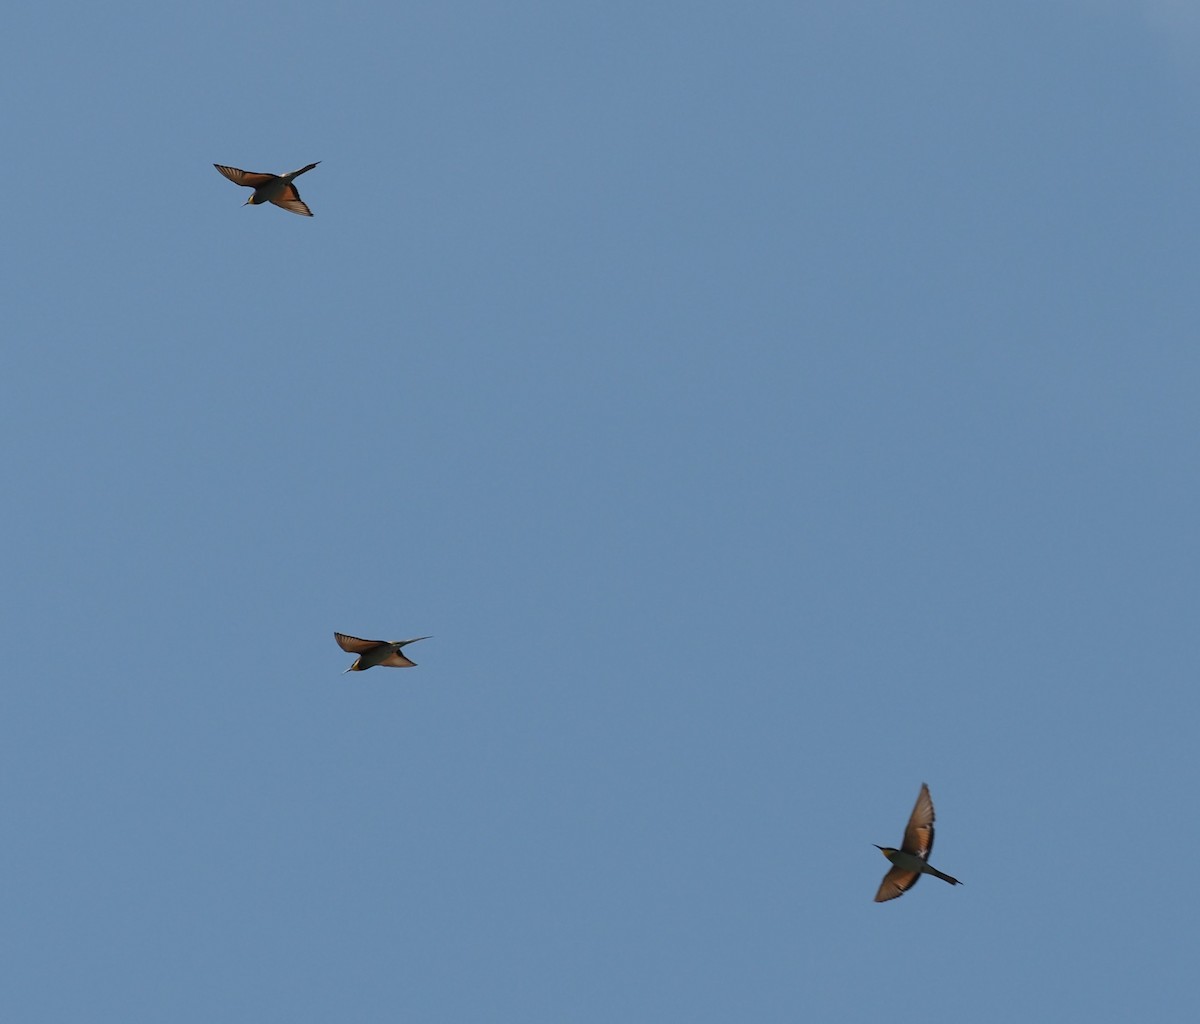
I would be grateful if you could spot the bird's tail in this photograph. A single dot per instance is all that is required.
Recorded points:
(405, 643)
(296, 174)
(943, 877)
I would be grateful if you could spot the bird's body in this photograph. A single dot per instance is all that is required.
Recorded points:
(270, 188)
(910, 862)
(376, 652)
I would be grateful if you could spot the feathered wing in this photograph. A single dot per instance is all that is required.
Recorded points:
(251, 179)
(353, 645)
(398, 660)
(289, 199)
(918, 834)
(896, 883)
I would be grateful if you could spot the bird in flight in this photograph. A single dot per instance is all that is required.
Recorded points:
(910, 861)
(375, 652)
(270, 188)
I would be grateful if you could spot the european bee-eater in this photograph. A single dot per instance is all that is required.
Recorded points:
(909, 862)
(375, 652)
(270, 188)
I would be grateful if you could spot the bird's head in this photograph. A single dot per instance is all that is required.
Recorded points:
(356, 667)
(887, 851)
(253, 200)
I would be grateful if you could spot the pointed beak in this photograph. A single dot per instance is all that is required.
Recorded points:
(350, 669)
(878, 847)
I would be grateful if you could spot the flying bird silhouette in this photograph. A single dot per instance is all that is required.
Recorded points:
(270, 188)
(376, 652)
(910, 861)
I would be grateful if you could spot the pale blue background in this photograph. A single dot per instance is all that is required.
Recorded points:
(767, 407)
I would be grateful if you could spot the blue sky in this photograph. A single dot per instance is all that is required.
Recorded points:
(766, 409)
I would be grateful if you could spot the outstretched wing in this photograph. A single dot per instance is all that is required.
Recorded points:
(289, 199)
(918, 834)
(896, 883)
(251, 179)
(398, 660)
(353, 645)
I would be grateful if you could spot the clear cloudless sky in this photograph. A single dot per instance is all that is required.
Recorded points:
(767, 408)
